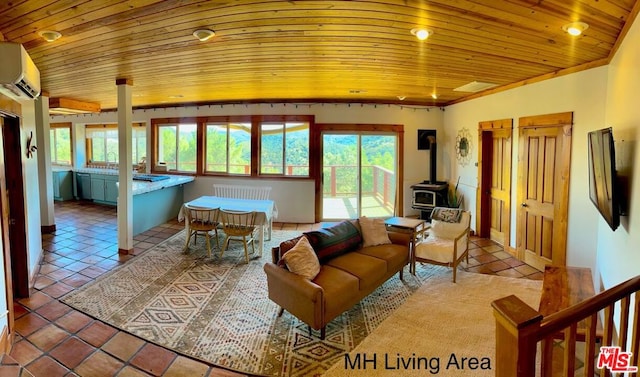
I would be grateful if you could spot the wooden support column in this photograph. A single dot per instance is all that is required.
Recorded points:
(43, 155)
(125, 173)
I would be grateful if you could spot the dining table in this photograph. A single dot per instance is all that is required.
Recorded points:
(265, 211)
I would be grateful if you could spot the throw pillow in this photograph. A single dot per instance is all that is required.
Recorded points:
(302, 260)
(449, 215)
(286, 246)
(374, 232)
(335, 240)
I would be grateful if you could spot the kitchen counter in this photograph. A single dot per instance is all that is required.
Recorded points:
(97, 171)
(58, 168)
(142, 187)
(154, 202)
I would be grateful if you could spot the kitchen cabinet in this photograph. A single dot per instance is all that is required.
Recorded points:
(104, 188)
(63, 185)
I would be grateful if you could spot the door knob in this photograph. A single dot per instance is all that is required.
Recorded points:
(524, 205)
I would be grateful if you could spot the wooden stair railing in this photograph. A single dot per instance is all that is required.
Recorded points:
(519, 329)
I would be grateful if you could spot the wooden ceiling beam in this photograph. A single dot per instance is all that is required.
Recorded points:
(59, 105)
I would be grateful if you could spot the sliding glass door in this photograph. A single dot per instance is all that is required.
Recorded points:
(358, 174)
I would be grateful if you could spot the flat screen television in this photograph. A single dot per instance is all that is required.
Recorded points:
(604, 189)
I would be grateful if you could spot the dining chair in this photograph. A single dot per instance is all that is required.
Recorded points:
(239, 226)
(201, 220)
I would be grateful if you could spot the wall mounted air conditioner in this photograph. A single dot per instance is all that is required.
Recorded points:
(19, 76)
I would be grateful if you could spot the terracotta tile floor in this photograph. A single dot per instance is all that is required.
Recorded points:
(53, 339)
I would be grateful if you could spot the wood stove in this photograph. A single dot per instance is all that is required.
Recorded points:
(430, 193)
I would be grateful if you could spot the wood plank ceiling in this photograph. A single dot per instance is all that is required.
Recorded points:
(307, 51)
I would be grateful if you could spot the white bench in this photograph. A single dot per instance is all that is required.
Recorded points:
(246, 192)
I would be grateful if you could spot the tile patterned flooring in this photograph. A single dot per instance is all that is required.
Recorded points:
(55, 340)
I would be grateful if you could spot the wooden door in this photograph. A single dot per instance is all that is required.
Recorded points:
(494, 203)
(17, 221)
(543, 189)
(5, 250)
(500, 186)
(350, 186)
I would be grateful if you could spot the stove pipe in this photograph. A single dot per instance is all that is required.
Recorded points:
(432, 162)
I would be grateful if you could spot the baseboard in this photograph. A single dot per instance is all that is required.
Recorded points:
(47, 229)
(36, 271)
(511, 250)
(125, 251)
(5, 341)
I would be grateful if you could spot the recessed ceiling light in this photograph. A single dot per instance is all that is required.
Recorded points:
(49, 35)
(434, 95)
(401, 98)
(421, 33)
(575, 28)
(203, 34)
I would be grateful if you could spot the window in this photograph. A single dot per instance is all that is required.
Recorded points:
(60, 143)
(284, 148)
(102, 143)
(228, 148)
(177, 146)
(139, 134)
(234, 145)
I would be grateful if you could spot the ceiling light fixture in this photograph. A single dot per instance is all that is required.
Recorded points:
(421, 33)
(434, 95)
(575, 28)
(49, 35)
(203, 34)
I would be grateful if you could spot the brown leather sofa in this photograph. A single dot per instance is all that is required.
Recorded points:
(342, 282)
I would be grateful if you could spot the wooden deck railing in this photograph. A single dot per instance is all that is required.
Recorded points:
(519, 329)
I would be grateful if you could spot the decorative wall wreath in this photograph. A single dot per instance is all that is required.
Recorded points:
(463, 147)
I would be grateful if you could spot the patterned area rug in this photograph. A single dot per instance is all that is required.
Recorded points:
(217, 309)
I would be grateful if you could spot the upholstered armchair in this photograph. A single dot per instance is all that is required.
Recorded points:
(448, 240)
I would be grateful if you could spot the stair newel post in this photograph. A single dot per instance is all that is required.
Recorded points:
(516, 325)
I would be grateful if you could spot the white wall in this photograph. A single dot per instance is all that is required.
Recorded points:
(295, 199)
(600, 97)
(31, 190)
(32, 208)
(618, 253)
(582, 93)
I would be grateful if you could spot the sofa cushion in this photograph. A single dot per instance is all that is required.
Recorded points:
(374, 232)
(302, 260)
(396, 256)
(368, 269)
(339, 289)
(335, 240)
